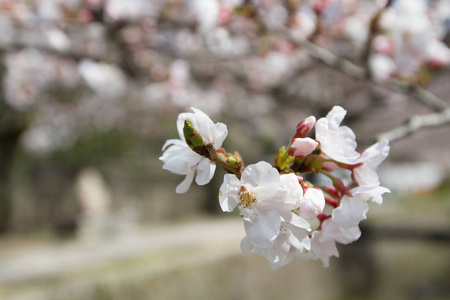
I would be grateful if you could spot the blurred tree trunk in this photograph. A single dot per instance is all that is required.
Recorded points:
(12, 125)
(9, 140)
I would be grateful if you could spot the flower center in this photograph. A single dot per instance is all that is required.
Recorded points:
(246, 197)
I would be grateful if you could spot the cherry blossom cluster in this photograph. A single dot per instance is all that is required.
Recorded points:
(163, 39)
(213, 53)
(409, 39)
(284, 214)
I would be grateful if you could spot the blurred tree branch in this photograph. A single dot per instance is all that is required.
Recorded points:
(416, 123)
(329, 59)
(425, 97)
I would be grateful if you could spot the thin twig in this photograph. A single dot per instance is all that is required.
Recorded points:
(373, 31)
(415, 123)
(236, 169)
(329, 59)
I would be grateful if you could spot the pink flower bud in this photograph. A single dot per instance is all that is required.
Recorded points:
(224, 14)
(329, 166)
(320, 5)
(383, 45)
(303, 146)
(437, 54)
(304, 127)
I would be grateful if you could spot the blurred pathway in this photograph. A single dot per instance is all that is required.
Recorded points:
(204, 240)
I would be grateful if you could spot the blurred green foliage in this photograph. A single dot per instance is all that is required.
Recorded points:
(100, 146)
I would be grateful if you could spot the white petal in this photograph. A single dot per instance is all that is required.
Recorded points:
(204, 125)
(228, 195)
(320, 250)
(264, 180)
(379, 190)
(280, 249)
(184, 186)
(312, 203)
(220, 133)
(348, 135)
(337, 142)
(298, 221)
(173, 142)
(180, 125)
(293, 188)
(201, 122)
(205, 171)
(323, 250)
(299, 239)
(332, 231)
(256, 173)
(246, 247)
(180, 161)
(281, 263)
(366, 176)
(210, 132)
(375, 154)
(321, 128)
(335, 117)
(263, 228)
(371, 193)
(350, 212)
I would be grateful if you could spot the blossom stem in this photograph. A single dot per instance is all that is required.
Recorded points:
(328, 175)
(236, 168)
(331, 201)
(331, 191)
(337, 183)
(322, 217)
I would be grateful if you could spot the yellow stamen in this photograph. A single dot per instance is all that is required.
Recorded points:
(247, 198)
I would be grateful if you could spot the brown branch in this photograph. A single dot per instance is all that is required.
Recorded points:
(416, 123)
(373, 31)
(235, 169)
(329, 59)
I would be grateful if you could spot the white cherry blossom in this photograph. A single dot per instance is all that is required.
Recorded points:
(178, 158)
(293, 191)
(320, 249)
(258, 195)
(366, 175)
(336, 141)
(293, 238)
(409, 25)
(382, 66)
(351, 211)
(332, 231)
(310, 203)
(371, 193)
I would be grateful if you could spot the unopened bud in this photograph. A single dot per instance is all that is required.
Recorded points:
(329, 166)
(320, 5)
(197, 140)
(304, 127)
(193, 138)
(231, 160)
(312, 203)
(221, 150)
(283, 159)
(302, 146)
